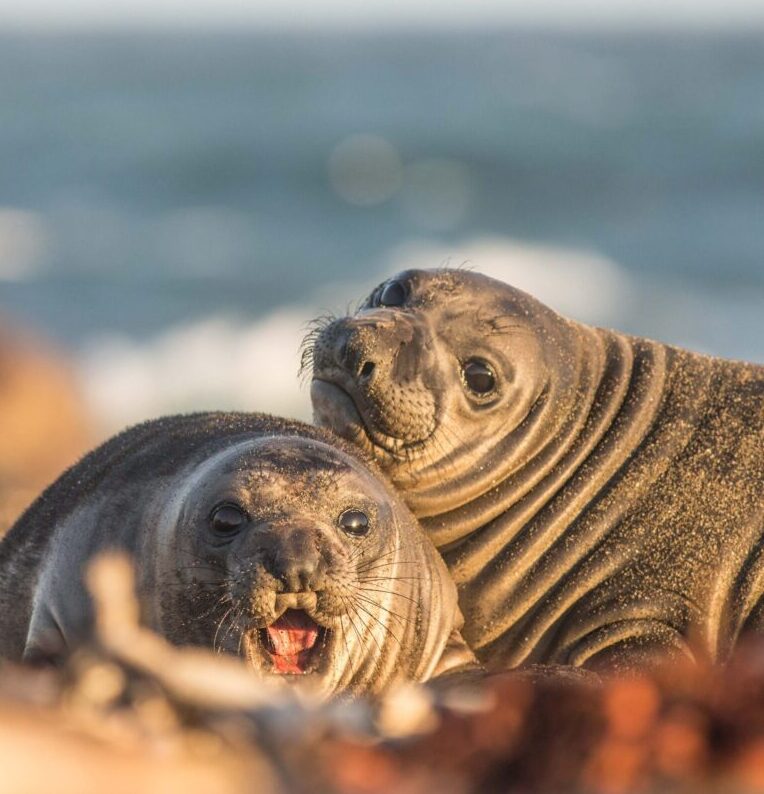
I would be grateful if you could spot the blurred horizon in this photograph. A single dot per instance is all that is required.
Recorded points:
(174, 206)
(419, 15)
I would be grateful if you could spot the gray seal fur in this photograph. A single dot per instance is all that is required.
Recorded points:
(602, 506)
(380, 607)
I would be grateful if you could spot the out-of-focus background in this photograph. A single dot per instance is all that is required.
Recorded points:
(184, 185)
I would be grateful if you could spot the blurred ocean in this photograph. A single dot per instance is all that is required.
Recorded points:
(174, 207)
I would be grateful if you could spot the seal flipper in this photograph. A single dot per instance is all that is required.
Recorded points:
(457, 657)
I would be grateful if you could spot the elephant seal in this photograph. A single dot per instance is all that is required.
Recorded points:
(598, 498)
(252, 535)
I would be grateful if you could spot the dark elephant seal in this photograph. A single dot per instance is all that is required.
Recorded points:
(251, 535)
(598, 498)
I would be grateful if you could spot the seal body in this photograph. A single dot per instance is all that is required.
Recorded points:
(598, 498)
(251, 535)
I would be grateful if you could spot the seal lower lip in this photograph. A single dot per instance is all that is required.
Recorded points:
(293, 642)
(348, 420)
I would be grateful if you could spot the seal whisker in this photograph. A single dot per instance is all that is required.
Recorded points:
(242, 634)
(367, 628)
(345, 639)
(396, 593)
(234, 623)
(368, 600)
(387, 629)
(315, 328)
(357, 552)
(388, 565)
(352, 623)
(380, 558)
(219, 626)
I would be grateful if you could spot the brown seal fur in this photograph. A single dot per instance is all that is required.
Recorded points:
(239, 527)
(602, 505)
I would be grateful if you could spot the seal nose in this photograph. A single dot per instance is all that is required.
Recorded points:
(297, 562)
(359, 348)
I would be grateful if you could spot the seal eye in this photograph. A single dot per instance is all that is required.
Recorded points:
(479, 377)
(354, 522)
(227, 519)
(393, 294)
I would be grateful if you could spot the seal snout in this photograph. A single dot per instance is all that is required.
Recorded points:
(306, 600)
(369, 371)
(291, 640)
(296, 563)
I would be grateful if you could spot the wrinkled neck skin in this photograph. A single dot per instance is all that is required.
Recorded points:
(597, 385)
(508, 452)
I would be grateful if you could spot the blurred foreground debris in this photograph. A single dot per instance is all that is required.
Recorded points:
(133, 713)
(44, 426)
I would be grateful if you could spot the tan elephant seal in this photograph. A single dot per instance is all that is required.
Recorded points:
(598, 498)
(251, 535)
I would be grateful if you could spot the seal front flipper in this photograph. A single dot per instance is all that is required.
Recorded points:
(457, 658)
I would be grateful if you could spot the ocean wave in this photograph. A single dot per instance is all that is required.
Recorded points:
(217, 363)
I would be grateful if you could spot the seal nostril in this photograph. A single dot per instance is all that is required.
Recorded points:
(367, 369)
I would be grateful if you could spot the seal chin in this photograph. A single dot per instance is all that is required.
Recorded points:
(334, 407)
(293, 645)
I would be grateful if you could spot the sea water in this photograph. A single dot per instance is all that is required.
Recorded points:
(173, 207)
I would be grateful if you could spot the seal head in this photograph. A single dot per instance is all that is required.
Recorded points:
(437, 368)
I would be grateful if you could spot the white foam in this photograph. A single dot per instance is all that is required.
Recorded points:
(217, 363)
(22, 243)
(584, 285)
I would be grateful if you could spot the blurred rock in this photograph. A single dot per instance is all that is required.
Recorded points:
(133, 713)
(44, 426)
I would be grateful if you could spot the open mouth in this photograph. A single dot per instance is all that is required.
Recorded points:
(293, 644)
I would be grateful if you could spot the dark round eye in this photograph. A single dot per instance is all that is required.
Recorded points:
(354, 522)
(227, 519)
(479, 376)
(393, 294)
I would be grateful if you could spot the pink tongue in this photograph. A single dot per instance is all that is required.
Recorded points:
(293, 633)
